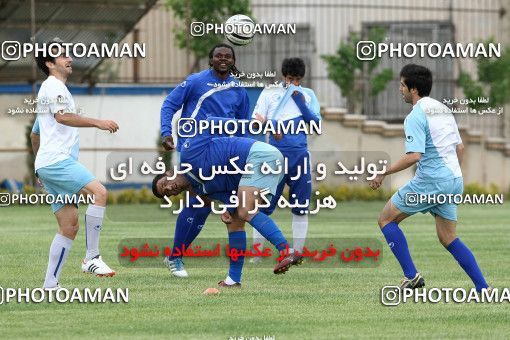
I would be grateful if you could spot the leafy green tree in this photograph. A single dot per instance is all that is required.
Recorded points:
(493, 80)
(347, 71)
(203, 11)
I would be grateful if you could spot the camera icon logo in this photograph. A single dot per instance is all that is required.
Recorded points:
(186, 127)
(5, 199)
(391, 296)
(11, 50)
(197, 28)
(365, 50)
(411, 199)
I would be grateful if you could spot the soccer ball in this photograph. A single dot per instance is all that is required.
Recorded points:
(239, 29)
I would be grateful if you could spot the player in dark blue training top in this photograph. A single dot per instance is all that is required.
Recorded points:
(205, 152)
(211, 92)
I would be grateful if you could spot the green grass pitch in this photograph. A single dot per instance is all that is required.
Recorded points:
(306, 303)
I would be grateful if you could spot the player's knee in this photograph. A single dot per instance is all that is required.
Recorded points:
(100, 195)
(446, 239)
(443, 242)
(382, 221)
(244, 214)
(71, 230)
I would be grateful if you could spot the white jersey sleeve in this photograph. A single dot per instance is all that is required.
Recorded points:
(58, 141)
(263, 104)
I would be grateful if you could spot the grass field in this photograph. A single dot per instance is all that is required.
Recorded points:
(303, 304)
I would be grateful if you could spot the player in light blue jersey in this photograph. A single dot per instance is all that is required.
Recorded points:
(212, 92)
(205, 152)
(434, 143)
(291, 104)
(55, 141)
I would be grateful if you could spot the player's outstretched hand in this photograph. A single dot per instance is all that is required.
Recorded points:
(168, 143)
(376, 182)
(108, 125)
(226, 217)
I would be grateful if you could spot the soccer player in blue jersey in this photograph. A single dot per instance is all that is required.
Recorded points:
(434, 144)
(212, 92)
(204, 152)
(291, 103)
(55, 140)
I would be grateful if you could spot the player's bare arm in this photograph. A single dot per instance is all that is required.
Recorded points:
(460, 152)
(407, 160)
(74, 120)
(36, 142)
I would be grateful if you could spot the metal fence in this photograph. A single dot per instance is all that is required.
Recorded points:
(388, 105)
(267, 52)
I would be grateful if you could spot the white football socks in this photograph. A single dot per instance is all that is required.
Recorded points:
(59, 250)
(299, 230)
(93, 225)
(258, 238)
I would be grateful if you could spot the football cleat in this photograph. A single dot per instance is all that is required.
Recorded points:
(416, 282)
(176, 267)
(222, 283)
(57, 287)
(97, 267)
(289, 260)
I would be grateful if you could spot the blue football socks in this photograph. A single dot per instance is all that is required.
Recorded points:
(398, 245)
(189, 224)
(267, 228)
(237, 241)
(467, 261)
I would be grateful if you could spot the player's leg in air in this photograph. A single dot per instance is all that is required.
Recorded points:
(300, 189)
(249, 195)
(266, 227)
(68, 178)
(258, 239)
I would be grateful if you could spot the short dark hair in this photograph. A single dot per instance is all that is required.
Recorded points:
(417, 77)
(155, 185)
(42, 59)
(293, 67)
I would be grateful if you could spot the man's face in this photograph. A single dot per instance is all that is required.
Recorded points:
(406, 93)
(294, 80)
(222, 59)
(168, 187)
(62, 65)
